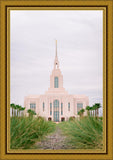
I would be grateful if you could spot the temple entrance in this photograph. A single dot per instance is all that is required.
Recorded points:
(56, 111)
(62, 119)
(49, 119)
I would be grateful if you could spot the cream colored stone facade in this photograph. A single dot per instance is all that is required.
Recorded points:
(56, 104)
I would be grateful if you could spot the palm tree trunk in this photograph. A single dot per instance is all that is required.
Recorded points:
(12, 111)
(97, 113)
(90, 113)
(17, 112)
(93, 113)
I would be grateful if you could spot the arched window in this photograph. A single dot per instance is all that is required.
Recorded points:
(69, 106)
(43, 106)
(61, 108)
(56, 110)
(50, 108)
(56, 82)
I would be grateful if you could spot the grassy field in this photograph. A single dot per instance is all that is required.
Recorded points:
(25, 131)
(86, 133)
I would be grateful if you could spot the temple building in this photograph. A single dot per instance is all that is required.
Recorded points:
(56, 104)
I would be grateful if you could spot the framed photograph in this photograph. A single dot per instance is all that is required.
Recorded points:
(56, 80)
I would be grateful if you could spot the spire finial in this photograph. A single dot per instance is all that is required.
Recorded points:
(56, 48)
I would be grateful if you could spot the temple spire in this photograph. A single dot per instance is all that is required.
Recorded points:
(56, 48)
(56, 63)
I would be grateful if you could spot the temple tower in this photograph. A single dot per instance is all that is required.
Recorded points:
(56, 78)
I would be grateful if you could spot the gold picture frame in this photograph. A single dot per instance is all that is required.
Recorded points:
(5, 7)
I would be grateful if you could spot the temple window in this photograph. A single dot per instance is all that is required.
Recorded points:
(56, 85)
(50, 108)
(69, 106)
(43, 106)
(61, 108)
(33, 106)
(79, 106)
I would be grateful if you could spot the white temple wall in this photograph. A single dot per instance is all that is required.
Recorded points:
(28, 101)
(47, 99)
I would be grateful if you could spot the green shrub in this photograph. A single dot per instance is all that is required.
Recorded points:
(101, 118)
(25, 131)
(86, 133)
(71, 118)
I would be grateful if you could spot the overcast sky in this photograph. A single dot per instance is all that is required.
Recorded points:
(79, 37)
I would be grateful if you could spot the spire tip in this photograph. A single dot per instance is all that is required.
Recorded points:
(56, 48)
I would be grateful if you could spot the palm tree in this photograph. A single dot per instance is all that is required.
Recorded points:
(17, 107)
(79, 113)
(31, 112)
(12, 106)
(97, 106)
(88, 109)
(82, 111)
(94, 109)
(91, 109)
(22, 109)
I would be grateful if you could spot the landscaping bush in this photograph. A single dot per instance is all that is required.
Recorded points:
(101, 118)
(71, 118)
(25, 131)
(86, 133)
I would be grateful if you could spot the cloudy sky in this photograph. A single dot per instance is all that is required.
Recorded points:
(79, 37)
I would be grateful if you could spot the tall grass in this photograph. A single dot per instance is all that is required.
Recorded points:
(86, 133)
(25, 131)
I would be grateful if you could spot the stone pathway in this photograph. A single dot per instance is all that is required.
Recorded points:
(55, 141)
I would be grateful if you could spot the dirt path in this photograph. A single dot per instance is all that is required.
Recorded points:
(54, 141)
